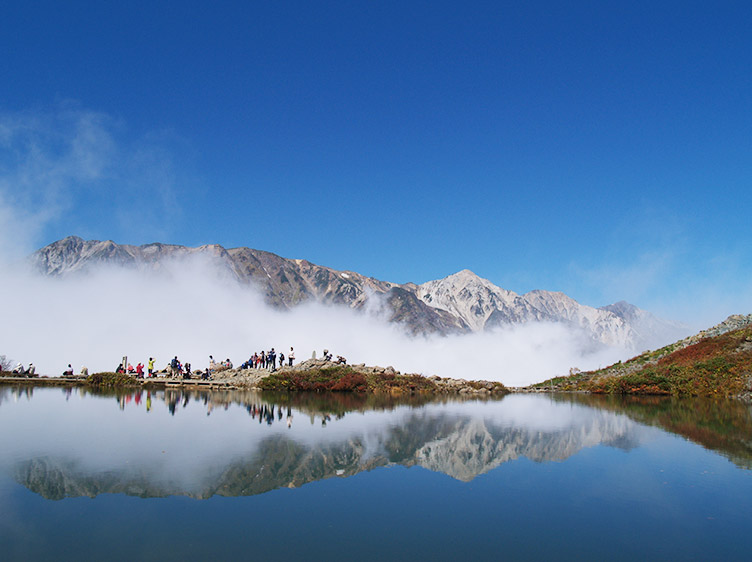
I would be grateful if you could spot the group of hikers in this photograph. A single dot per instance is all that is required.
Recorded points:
(30, 371)
(269, 360)
(176, 369)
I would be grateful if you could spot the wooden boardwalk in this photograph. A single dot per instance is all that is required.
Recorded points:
(155, 382)
(198, 384)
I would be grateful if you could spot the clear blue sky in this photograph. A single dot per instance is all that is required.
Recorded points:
(598, 148)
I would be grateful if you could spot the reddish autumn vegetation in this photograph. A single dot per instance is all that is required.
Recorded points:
(714, 366)
(344, 379)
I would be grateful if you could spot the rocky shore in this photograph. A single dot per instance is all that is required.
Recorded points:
(358, 377)
(310, 375)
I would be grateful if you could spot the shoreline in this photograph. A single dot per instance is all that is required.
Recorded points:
(456, 387)
(316, 375)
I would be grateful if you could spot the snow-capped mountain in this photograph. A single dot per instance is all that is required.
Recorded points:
(462, 302)
(481, 305)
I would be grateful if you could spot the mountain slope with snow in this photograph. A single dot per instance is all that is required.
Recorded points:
(462, 302)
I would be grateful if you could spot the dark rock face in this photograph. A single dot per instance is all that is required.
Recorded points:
(462, 302)
(407, 309)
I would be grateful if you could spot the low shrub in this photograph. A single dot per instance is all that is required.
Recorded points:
(110, 380)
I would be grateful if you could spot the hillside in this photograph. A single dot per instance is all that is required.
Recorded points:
(715, 362)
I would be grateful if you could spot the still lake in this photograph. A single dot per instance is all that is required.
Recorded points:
(197, 475)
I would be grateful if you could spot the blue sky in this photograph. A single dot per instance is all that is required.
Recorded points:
(601, 149)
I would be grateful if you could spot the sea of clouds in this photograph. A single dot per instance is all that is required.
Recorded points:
(191, 310)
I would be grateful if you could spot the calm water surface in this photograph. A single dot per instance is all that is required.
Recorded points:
(170, 475)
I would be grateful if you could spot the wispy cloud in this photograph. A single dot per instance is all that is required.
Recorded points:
(663, 264)
(60, 167)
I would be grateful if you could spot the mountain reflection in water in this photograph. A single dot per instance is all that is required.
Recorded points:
(72, 442)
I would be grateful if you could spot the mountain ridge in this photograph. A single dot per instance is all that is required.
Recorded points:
(460, 303)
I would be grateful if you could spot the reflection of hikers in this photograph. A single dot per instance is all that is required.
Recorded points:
(291, 356)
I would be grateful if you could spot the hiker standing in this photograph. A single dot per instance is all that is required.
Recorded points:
(291, 356)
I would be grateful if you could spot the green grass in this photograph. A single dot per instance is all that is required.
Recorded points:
(111, 380)
(345, 379)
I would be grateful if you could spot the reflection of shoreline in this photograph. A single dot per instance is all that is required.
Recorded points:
(323, 404)
(459, 442)
(722, 425)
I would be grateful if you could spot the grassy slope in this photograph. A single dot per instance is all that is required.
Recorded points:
(716, 365)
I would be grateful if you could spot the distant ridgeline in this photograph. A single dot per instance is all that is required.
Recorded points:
(460, 303)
